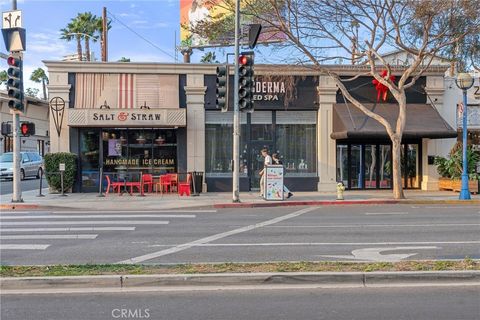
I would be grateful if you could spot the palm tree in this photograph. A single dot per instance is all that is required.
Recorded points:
(88, 23)
(38, 75)
(74, 31)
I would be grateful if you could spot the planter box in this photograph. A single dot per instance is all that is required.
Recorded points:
(456, 185)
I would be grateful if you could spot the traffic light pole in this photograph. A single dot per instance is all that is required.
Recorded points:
(17, 192)
(236, 111)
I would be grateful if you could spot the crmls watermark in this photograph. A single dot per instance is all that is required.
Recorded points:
(124, 313)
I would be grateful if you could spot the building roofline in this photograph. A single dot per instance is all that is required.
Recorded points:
(204, 68)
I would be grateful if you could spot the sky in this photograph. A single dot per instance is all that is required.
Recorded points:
(157, 21)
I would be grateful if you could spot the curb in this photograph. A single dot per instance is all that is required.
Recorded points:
(14, 206)
(357, 279)
(340, 202)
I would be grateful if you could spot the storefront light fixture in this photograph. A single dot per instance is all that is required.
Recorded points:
(141, 139)
(122, 139)
(160, 139)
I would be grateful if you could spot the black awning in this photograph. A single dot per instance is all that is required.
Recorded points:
(423, 121)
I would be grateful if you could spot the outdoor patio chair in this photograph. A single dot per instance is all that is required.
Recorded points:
(115, 185)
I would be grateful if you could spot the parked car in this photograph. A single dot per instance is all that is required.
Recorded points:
(31, 165)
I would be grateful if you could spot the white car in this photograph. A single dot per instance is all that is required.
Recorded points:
(31, 165)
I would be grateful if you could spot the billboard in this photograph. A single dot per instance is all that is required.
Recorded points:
(220, 13)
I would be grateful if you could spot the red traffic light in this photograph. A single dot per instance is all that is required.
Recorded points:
(24, 128)
(12, 61)
(27, 128)
(245, 60)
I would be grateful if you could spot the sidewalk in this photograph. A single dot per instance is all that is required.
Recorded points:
(89, 201)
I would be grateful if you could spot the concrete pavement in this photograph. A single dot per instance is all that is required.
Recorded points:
(419, 303)
(219, 200)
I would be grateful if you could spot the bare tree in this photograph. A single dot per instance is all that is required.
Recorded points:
(320, 32)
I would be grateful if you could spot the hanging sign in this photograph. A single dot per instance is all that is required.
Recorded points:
(274, 182)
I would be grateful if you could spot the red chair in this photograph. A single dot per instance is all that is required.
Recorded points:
(114, 185)
(148, 181)
(184, 187)
(165, 183)
(174, 181)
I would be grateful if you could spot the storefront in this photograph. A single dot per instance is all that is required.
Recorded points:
(288, 128)
(363, 148)
(158, 118)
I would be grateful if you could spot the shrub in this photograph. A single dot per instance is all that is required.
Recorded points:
(52, 161)
(452, 167)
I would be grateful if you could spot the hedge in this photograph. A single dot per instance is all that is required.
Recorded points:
(52, 161)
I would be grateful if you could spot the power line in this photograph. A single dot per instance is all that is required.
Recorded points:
(140, 36)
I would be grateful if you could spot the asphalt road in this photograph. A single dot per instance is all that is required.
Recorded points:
(338, 233)
(439, 303)
(6, 186)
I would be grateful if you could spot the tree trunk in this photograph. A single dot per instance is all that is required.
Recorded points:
(396, 168)
(79, 48)
(87, 48)
(44, 89)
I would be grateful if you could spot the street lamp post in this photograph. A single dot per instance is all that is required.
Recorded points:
(464, 82)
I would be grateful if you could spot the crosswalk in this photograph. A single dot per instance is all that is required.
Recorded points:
(43, 229)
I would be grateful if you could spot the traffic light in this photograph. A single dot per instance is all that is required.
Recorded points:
(6, 128)
(246, 82)
(222, 88)
(27, 129)
(15, 83)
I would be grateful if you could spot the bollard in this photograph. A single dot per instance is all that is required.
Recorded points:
(40, 191)
(100, 184)
(61, 182)
(340, 190)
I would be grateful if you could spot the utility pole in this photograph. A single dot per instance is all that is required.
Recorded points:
(104, 35)
(17, 191)
(236, 111)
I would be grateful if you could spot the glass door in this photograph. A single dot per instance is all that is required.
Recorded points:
(385, 166)
(89, 159)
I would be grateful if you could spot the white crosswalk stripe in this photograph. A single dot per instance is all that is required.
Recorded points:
(48, 236)
(98, 216)
(68, 229)
(55, 226)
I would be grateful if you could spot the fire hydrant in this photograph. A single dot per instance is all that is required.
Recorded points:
(340, 189)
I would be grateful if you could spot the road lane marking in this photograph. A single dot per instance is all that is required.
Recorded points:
(374, 254)
(378, 213)
(68, 229)
(48, 236)
(98, 216)
(379, 225)
(288, 244)
(134, 211)
(215, 237)
(93, 222)
(24, 246)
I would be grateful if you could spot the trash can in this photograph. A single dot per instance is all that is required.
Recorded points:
(196, 183)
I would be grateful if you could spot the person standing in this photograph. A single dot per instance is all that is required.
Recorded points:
(276, 160)
(267, 161)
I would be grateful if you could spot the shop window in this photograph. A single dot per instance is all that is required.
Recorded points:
(410, 166)
(296, 144)
(342, 164)
(219, 148)
(89, 159)
(385, 165)
(139, 150)
(356, 172)
(370, 166)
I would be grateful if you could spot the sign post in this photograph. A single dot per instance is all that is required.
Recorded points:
(274, 183)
